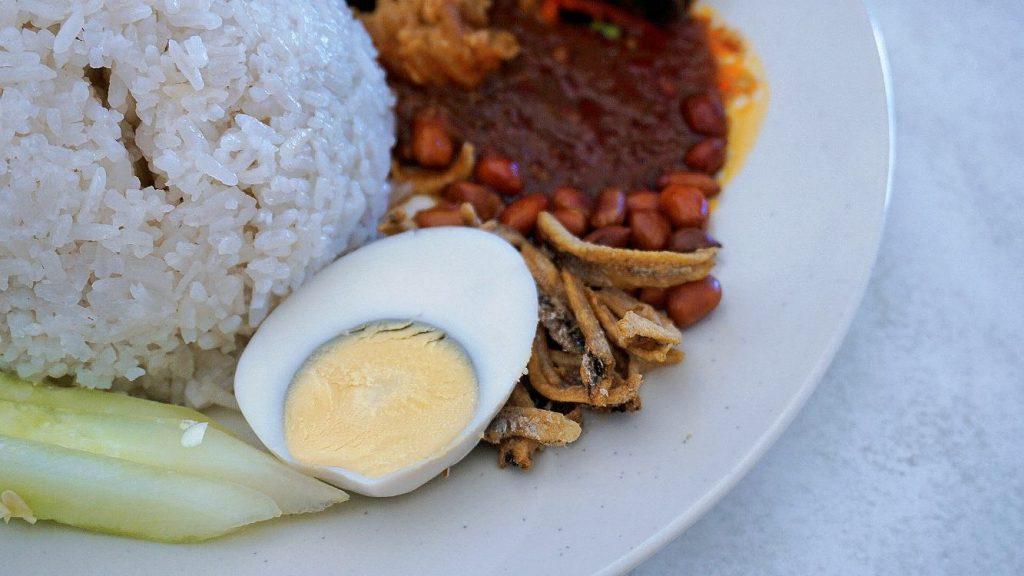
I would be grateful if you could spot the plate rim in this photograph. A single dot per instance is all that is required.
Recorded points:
(674, 529)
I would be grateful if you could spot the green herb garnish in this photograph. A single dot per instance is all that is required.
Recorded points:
(608, 30)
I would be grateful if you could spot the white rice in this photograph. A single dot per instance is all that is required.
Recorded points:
(266, 127)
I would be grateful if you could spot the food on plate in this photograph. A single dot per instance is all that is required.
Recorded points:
(169, 172)
(87, 401)
(573, 99)
(185, 194)
(110, 495)
(439, 42)
(622, 267)
(140, 468)
(389, 365)
(598, 152)
(379, 398)
(542, 426)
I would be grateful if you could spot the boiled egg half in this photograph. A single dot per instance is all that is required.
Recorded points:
(385, 368)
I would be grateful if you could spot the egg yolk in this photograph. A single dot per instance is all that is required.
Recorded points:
(380, 398)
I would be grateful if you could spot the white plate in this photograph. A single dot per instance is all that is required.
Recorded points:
(801, 225)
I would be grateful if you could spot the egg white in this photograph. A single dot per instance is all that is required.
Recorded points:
(471, 284)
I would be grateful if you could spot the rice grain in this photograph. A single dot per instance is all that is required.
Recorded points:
(168, 172)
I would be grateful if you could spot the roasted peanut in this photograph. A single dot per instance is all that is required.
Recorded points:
(687, 303)
(570, 198)
(708, 155)
(686, 207)
(499, 173)
(432, 146)
(573, 220)
(522, 214)
(706, 184)
(690, 240)
(705, 114)
(649, 230)
(614, 236)
(610, 208)
(653, 296)
(486, 203)
(642, 200)
(438, 216)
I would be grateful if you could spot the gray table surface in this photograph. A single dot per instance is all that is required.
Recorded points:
(909, 458)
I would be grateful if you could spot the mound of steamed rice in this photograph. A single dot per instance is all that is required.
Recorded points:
(169, 169)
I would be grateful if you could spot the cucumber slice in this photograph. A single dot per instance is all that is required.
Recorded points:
(158, 442)
(89, 401)
(119, 497)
